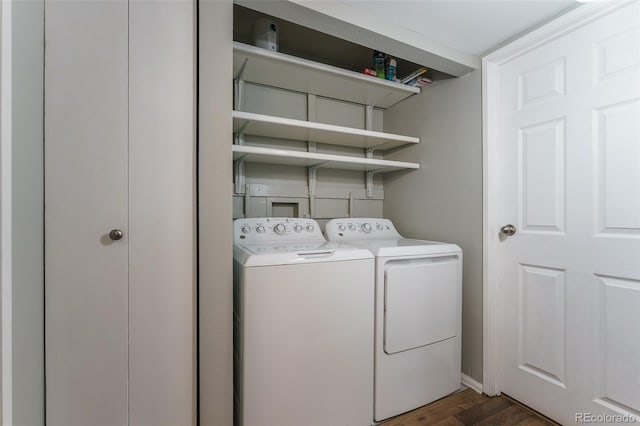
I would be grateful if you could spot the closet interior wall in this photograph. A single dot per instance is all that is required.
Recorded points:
(443, 200)
(274, 190)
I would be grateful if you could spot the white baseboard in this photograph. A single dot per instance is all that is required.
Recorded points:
(471, 383)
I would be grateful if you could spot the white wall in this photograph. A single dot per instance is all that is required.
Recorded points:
(22, 213)
(443, 200)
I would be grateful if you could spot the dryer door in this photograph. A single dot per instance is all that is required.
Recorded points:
(421, 302)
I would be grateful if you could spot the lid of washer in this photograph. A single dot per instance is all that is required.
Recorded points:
(381, 238)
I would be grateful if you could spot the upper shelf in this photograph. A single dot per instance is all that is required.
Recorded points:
(262, 66)
(286, 128)
(254, 154)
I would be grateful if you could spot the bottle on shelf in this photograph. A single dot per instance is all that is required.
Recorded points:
(378, 63)
(391, 69)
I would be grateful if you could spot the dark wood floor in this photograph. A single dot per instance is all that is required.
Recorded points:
(470, 408)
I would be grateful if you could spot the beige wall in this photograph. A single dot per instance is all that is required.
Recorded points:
(215, 184)
(27, 205)
(443, 200)
(270, 184)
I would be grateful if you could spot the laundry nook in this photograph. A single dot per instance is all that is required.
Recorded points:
(319, 213)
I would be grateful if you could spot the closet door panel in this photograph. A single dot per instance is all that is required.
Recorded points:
(162, 225)
(86, 277)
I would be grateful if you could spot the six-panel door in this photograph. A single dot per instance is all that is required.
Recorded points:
(570, 183)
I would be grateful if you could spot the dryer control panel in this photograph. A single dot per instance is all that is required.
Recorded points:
(276, 229)
(360, 228)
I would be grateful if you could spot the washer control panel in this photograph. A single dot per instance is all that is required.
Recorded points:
(276, 229)
(360, 228)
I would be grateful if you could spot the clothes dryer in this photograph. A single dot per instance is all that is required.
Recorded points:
(303, 326)
(418, 301)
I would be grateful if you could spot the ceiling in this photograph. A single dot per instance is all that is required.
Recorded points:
(471, 26)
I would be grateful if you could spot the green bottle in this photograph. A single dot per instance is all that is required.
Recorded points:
(378, 63)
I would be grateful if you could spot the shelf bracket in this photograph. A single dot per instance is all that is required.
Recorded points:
(238, 138)
(244, 65)
(240, 132)
(369, 182)
(238, 176)
(369, 152)
(313, 180)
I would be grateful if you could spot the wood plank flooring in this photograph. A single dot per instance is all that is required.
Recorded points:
(470, 408)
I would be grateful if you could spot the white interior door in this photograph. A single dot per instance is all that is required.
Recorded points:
(570, 183)
(86, 196)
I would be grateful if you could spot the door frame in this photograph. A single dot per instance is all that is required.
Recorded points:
(5, 213)
(491, 107)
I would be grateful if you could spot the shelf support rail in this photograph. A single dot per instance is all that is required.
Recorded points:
(313, 180)
(369, 182)
(238, 176)
(238, 87)
(368, 153)
(238, 165)
(368, 117)
(351, 204)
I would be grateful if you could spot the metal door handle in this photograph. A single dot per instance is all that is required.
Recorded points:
(116, 234)
(508, 230)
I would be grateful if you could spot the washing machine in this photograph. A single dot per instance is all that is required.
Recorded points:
(303, 326)
(418, 305)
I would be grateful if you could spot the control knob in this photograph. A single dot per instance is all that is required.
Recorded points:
(260, 229)
(279, 228)
(379, 227)
(352, 227)
(366, 227)
(297, 228)
(245, 229)
(310, 228)
(341, 228)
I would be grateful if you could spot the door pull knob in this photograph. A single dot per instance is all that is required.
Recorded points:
(508, 230)
(116, 234)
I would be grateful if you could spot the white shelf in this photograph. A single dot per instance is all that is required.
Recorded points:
(253, 154)
(289, 72)
(286, 128)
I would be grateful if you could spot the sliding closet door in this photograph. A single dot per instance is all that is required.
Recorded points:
(86, 197)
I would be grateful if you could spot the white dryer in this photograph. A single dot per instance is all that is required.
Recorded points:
(303, 326)
(418, 314)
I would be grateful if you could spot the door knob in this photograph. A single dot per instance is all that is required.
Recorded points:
(116, 234)
(508, 230)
